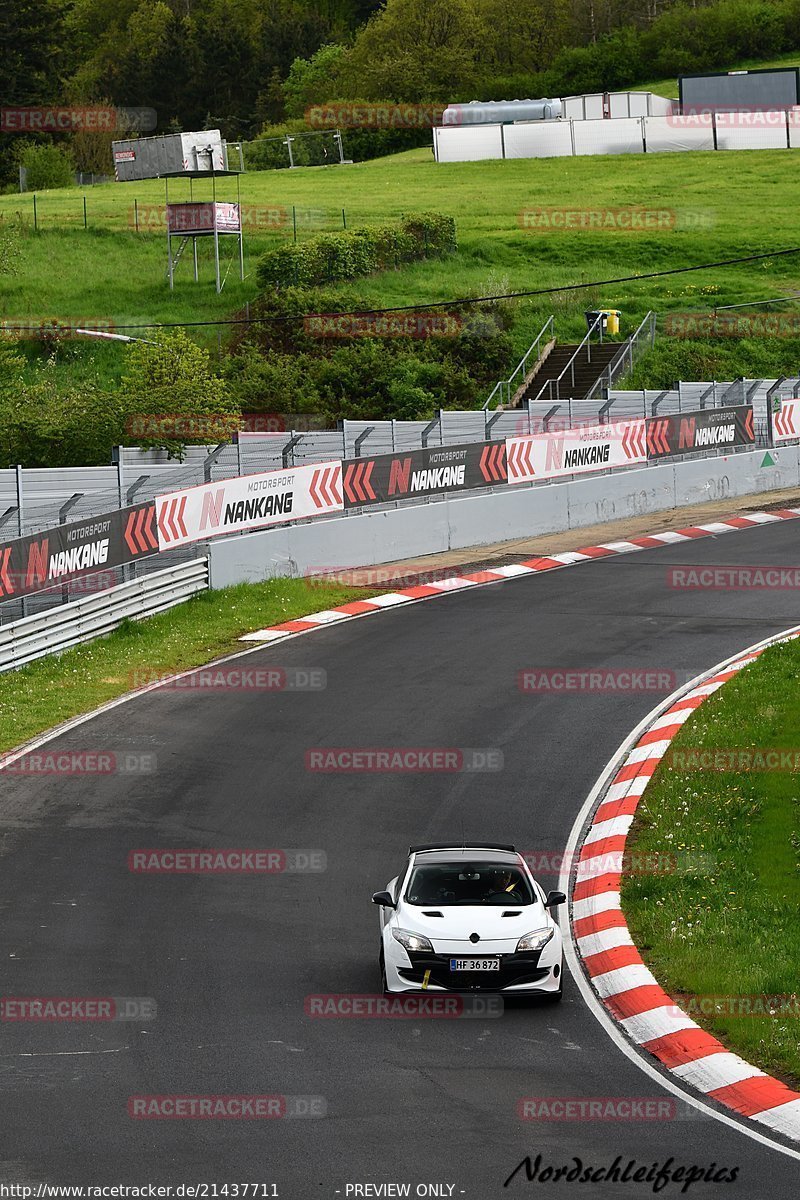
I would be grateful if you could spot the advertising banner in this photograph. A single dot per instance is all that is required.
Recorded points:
(248, 502)
(576, 451)
(785, 419)
(703, 429)
(437, 469)
(54, 556)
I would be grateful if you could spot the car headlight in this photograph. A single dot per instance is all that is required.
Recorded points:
(536, 940)
(411, 941)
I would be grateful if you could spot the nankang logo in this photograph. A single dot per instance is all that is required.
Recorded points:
(78, 558)
(587, 456)
(713, 437)
(255, 510)
(436, 478)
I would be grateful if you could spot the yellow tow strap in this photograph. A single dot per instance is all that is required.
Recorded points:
(425, 980)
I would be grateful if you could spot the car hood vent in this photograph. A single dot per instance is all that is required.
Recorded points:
(433, 914)
(512, 913)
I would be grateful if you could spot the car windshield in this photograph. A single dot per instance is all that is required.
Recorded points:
(468, 883)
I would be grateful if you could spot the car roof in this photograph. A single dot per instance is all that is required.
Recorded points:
(461, 854)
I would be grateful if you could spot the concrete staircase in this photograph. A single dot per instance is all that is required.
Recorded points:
(587, 371)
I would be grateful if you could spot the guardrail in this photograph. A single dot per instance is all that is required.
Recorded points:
(553, 386)
(505, 386)
(84, 620)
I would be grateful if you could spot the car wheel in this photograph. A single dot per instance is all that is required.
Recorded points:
(382, 966)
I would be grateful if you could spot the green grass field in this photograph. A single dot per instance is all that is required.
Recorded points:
(53, 690)
(730, 930)
(669, 87)
(745, 202)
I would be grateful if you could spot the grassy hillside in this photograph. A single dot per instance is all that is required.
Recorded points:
(744, 201)
(669, 87)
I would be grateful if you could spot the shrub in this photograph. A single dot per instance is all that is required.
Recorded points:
(172, 397)
(47, 166)
(348, 255)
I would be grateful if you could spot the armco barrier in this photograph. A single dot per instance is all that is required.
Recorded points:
(83, 620)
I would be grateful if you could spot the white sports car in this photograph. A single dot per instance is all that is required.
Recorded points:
(469, 918)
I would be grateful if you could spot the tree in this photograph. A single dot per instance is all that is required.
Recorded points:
(314, 80)
(414, 50)
(172, 397)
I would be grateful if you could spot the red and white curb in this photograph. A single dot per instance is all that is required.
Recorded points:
(531, 566)
(629, 991)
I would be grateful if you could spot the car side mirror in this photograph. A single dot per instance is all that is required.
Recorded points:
(384, 899)
(554, 899)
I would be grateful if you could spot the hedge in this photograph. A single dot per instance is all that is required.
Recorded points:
(332, 257)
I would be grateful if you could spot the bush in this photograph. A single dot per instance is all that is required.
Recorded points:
(47, 423)
(47, 166)
(341, 256)
(172, 398)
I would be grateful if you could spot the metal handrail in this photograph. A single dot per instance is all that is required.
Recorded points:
(596, 325)
(616, 366)
(504, 385)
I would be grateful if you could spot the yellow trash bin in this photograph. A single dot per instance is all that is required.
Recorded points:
(614, 315)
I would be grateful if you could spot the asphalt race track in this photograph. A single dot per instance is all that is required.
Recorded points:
(229, 960)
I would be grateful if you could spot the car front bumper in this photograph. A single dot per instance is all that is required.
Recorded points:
(529, 971)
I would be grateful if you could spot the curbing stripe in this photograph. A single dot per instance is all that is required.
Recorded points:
(630, 993)
(531, 566)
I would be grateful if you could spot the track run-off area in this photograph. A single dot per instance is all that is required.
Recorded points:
(231, 960)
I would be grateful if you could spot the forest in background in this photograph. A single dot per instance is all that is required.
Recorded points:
(246, 66)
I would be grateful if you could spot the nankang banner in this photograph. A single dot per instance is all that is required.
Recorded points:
(703, 429)
(437, 469)
(248, 502)
(576, 450)
(54, 556)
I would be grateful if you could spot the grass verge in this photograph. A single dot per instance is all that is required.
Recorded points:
(729, 930)
(43, 694)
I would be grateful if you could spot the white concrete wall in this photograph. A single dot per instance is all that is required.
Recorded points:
(480, 518)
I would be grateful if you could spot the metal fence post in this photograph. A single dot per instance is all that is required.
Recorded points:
(775, 388)
(62, 520)
(362, 437)
(289, 447)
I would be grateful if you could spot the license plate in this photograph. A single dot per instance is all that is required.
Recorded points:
(474, 964)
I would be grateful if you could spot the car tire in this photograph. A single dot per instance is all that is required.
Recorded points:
(382, 966)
